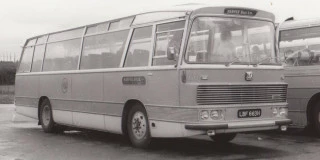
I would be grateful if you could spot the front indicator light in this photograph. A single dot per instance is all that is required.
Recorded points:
(204, 115)
(275, 111)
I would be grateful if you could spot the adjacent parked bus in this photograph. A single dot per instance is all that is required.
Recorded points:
(300, 46)
(187, 71)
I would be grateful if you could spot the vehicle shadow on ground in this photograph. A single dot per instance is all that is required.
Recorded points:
(176, 147)
(192, 148)
(299, 135)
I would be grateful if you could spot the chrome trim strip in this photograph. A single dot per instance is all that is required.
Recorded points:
(104, 70)
(167, 106)
(238, 125)
(30, 106)
(77, 111)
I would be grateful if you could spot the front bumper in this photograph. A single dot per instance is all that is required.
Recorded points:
(238, 125)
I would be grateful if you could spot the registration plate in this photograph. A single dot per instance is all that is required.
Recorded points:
(248, 113)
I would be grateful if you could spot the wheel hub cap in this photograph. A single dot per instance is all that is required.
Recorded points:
(139, 125)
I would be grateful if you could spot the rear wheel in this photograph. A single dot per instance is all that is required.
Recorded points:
(316, 118)
(223, 138)
(138, 127)
(46, 118)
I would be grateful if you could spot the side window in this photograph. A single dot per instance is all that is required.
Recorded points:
(103, 51)
(139, 48)
(62, 55)
(37, 58)
(169, 37)
(25, 64)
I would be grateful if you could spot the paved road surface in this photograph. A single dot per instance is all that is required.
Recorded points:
(22, 139)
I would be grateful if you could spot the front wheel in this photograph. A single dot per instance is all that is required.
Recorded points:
(223, 138)
(138, 127)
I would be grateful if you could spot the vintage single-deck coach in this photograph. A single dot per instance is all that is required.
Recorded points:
(191, 70)
(300, 46)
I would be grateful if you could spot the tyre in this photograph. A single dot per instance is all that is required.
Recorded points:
(223, 138)
(46, 118)
(316, 118)
(138, 127)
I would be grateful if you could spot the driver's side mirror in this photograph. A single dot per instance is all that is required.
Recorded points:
(171, 53)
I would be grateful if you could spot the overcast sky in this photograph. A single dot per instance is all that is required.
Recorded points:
(21, 19)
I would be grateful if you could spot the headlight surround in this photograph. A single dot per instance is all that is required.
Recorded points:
(211, 115)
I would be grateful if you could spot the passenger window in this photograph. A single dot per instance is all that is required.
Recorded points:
(301, 47)
(37, 58)
(140, 48)
(25, 64)
(62, 55)
(103, 51)
(169, 37)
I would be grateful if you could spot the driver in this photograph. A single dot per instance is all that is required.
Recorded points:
(225, 48)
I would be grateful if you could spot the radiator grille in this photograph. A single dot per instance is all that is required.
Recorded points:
(240, 94)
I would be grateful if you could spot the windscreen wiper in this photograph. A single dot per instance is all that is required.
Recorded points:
(233, 61)
(268, 58)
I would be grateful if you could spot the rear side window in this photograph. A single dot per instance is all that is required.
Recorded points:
(103, 51)
(62, 55)
(26, 61)
(140, 48)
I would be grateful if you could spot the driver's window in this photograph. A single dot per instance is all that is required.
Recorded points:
(168, 43)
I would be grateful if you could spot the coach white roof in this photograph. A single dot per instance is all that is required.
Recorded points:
(299, 24)
(177, 12)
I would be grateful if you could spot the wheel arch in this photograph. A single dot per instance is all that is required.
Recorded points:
(125, 112)
(311, 104)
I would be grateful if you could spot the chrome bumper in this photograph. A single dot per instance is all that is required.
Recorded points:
(238, 125)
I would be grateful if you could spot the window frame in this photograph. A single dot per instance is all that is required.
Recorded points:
(97, 34)
(185, 61)
(182, 40)
(130, 40)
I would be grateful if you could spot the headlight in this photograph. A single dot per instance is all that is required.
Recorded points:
(204, 115)
(283, 112)
(216, 115)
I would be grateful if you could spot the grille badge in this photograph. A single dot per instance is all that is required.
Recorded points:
(248, 76)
